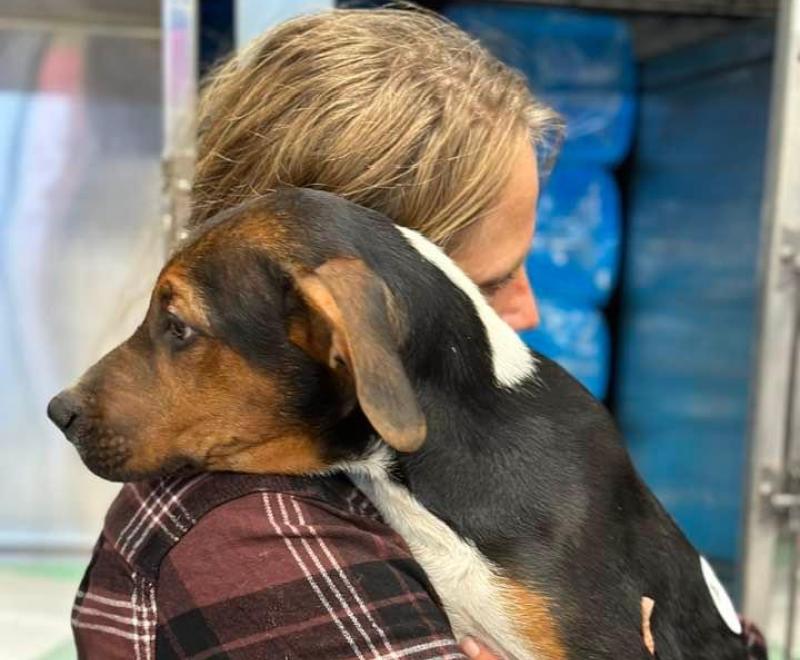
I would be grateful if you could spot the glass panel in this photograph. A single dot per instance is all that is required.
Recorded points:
(80, 138)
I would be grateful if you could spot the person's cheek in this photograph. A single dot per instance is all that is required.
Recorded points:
(535, 318)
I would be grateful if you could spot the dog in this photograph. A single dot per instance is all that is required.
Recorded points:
(302, 334)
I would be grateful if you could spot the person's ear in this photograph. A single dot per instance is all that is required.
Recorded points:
(351, 323)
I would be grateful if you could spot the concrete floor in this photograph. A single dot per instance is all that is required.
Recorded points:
(36, 598)
(35, 602)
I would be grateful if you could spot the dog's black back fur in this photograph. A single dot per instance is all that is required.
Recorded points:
(536, 476)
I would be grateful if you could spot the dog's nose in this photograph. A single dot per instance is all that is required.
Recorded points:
(64, 409)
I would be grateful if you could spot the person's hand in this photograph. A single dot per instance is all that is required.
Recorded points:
(476, 651)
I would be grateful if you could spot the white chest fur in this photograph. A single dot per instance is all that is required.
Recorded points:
(463, 578)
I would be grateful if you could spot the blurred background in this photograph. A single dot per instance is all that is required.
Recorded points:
(666, 259)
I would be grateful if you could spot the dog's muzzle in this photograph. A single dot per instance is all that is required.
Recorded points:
(104, 451)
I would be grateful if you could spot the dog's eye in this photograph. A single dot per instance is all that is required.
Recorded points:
(178, 332)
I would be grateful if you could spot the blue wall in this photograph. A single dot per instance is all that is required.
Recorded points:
(690, 280)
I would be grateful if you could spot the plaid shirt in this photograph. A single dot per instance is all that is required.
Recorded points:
(244, 566)
(240, 566)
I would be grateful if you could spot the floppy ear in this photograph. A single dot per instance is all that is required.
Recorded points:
(355, 308)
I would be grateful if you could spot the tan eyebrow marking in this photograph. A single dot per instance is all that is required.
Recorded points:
(182, 298)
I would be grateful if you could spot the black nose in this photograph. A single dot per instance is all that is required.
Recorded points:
(64, 409)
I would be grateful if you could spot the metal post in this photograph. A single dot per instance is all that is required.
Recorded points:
(787, 499)
(775, 431)
(179, 59)
(180, 88)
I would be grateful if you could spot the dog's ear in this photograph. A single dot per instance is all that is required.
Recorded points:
(353, 323)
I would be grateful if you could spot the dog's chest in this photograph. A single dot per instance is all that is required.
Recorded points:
(463, 578)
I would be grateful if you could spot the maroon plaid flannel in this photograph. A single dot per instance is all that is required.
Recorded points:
(244, 566)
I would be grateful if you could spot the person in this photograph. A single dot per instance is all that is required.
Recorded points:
(401, 112)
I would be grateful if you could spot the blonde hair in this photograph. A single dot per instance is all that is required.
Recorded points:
(396, 110)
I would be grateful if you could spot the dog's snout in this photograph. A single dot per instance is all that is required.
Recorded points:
(64, 409)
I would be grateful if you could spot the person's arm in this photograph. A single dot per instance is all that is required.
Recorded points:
(280, 575)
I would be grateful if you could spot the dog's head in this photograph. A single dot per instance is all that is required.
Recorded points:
(261, 336)
(271, 326)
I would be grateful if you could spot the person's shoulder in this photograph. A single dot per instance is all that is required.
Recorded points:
(297, 567)
(297, 572)
(148, 519)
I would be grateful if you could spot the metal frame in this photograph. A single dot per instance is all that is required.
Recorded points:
(179, 52)
(774, 479)
(738, 8)
(180, 88)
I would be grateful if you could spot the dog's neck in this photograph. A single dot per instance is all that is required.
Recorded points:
(461, 439)
(466, 325)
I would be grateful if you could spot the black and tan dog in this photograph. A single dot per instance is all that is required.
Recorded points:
(301, 334)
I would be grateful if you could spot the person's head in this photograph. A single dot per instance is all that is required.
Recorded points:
(395, 110)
